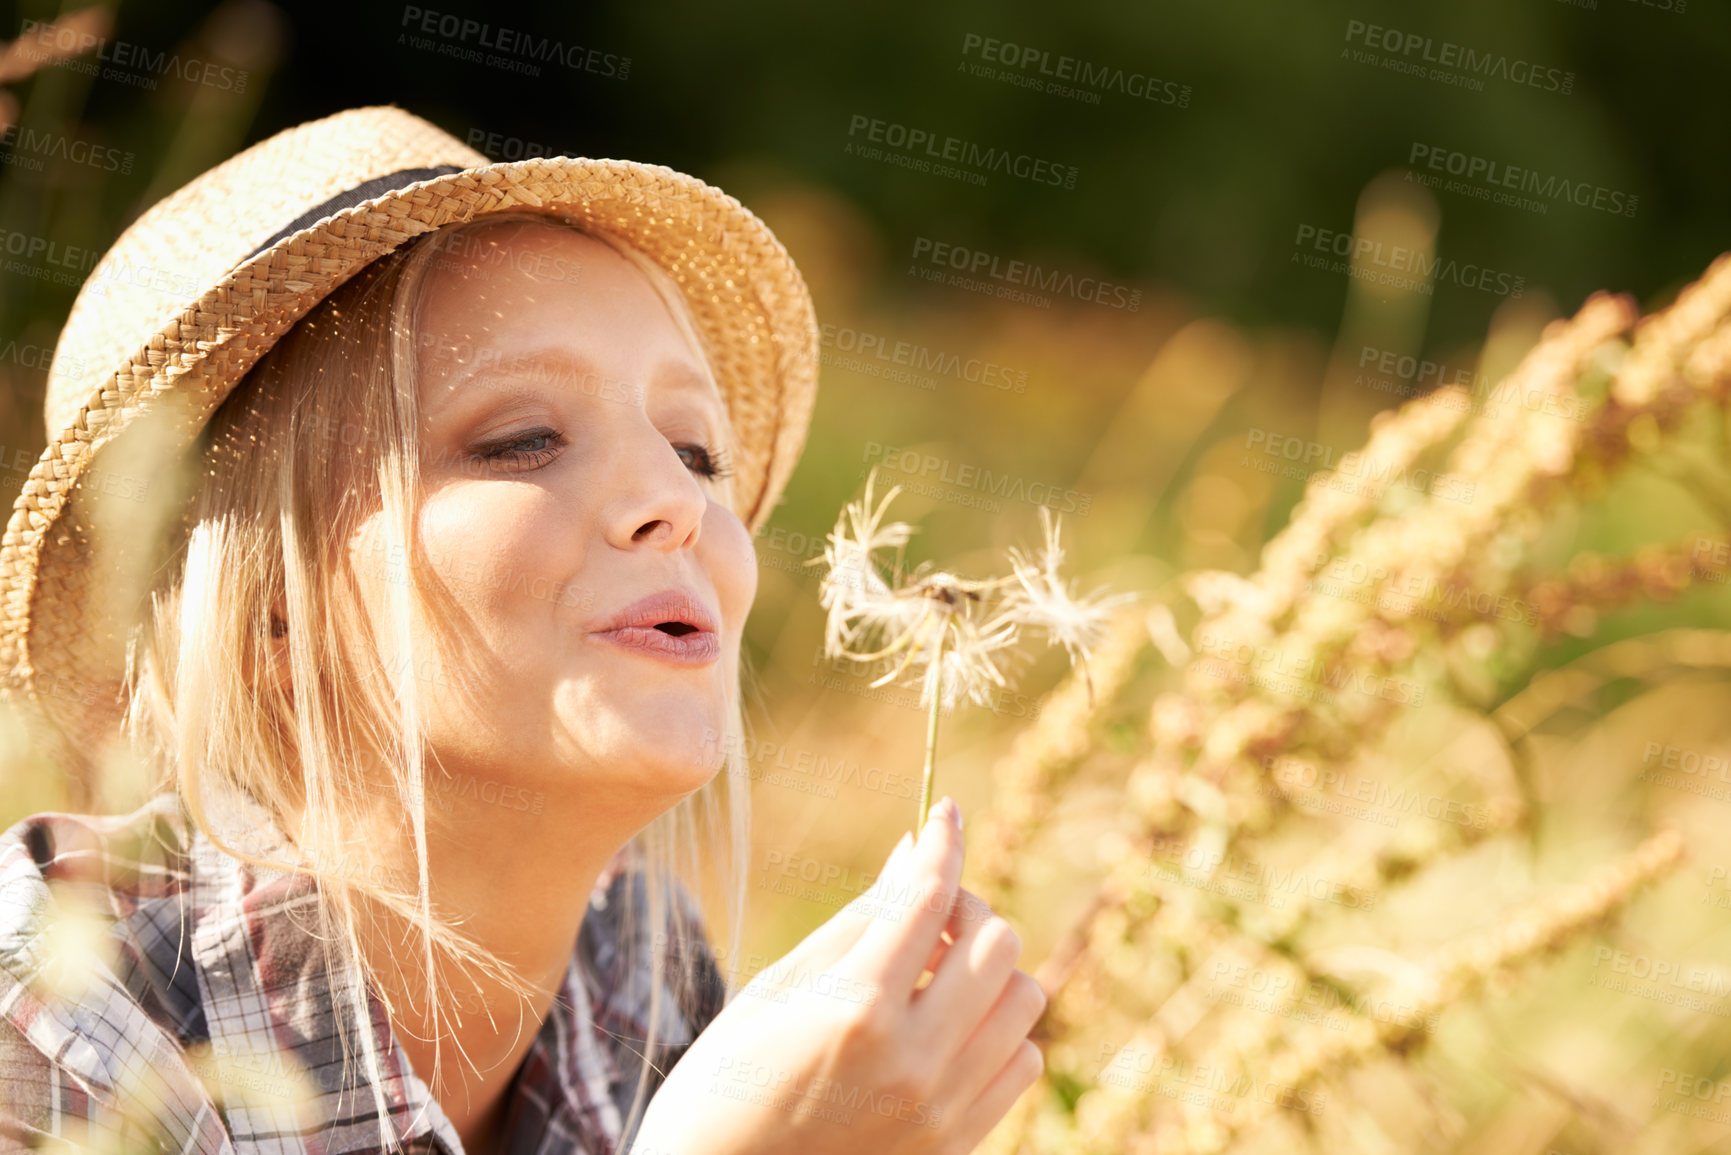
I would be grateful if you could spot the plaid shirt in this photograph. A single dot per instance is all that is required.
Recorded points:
(204, 1019)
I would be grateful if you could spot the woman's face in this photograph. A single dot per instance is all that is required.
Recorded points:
(567, 430)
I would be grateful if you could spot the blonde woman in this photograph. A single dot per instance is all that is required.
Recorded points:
(396, 522)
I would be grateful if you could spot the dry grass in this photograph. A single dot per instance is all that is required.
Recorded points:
(1346, 896)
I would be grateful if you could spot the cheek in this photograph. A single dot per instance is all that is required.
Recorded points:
(498, 548)
(731, 562)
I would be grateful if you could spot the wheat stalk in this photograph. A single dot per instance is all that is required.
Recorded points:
(1203, 783)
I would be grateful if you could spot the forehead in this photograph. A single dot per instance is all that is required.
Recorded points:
(551, 307)
(534, 372)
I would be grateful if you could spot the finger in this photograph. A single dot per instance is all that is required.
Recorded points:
(952, 931)
(994, 1042)
(972, 977)
(910, 918)
(837, 936)
(937, 959)
(1009, 1084)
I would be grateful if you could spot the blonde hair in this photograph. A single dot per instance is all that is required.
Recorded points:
(283, 488)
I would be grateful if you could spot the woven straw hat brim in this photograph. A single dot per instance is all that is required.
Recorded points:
(65, 601)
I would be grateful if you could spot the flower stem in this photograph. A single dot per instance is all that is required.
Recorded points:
(937, 668)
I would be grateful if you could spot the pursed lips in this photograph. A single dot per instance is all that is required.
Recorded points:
(673, 625)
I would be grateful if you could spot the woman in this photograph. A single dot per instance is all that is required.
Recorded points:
(398, 511)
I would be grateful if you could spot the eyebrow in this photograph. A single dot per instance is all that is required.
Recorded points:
(678, 376)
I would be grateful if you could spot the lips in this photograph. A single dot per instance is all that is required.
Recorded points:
(673, 625)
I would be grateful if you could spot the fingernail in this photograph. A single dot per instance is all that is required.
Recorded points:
(955, 812)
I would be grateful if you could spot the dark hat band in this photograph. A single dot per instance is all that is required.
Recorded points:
(348, 198)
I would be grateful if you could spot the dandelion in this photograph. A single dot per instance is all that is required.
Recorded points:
(1041, 598)
(853, 592)
(952, 634)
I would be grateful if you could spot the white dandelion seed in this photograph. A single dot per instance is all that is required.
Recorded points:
(853, 591)
(969, 665)
(951, 635)
(1043, 599)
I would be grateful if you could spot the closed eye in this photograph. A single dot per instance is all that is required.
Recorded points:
(537, 447)
(711, 463)
(511, 450)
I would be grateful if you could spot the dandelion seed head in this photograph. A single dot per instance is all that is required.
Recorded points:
(1042, 598)
(853, 591)
(970, 662)
(954, 635)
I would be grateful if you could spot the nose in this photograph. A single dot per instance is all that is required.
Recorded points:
(660, 504)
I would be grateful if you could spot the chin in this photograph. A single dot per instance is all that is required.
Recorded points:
(680, 745)
(664, 736)
(674, 774)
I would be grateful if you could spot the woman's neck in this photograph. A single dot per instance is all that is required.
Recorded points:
(518, 883)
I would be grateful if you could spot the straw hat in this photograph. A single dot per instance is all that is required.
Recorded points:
(200, 286)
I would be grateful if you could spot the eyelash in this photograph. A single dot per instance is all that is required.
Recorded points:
(715, 464)
(714, 460)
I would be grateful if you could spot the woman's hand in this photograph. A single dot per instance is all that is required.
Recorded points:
(833, 1050)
